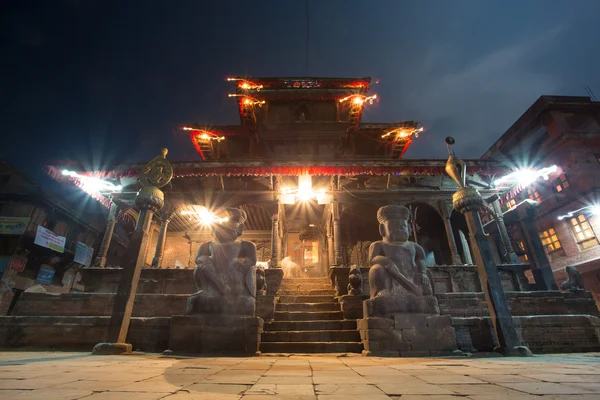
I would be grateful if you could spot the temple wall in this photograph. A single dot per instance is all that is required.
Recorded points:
(177, 251)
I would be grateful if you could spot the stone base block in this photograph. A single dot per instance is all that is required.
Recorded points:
(215, 334)
(352, 306)
(386, 306)
(265, 307)
(410, 335)
(80, 333)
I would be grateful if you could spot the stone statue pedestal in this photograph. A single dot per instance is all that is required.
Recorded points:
(215, 334)
(273, 277)
(406, 326)
(352, 305)
(408, 335)
(265, 307)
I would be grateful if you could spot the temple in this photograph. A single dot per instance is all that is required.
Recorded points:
(310, 177)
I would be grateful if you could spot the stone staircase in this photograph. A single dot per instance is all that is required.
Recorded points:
(308, 320)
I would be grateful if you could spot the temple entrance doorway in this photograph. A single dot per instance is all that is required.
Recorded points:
(427, 229)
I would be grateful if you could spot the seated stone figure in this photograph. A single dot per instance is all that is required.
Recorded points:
(225, 272)
(398, 274)
(574, 280)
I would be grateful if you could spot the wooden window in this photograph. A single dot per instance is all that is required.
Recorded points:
(584, 235)
(60, 228)
(551, 243)
(511, 203)
(534, 194)
(561, 183)
(524, 257)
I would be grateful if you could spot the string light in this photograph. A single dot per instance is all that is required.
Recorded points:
(245, 85)
(248, 101)
(206, 216)
(403, 132)
(203, 134)
(526, 176)
(595, 209)
(93, 185)
(359, 100)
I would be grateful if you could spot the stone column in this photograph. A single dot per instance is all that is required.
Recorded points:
(524, 214)
(456, 260)
(509, 252)
(337, 235)
(100, 260)
(150, 199)
(162, 239)
(275, 240)
(468, 201)
(466, 248)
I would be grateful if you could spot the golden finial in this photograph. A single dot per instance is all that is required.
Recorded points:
(157, 172)
(455, 167)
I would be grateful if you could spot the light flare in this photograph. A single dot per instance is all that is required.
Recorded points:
(359, 100)
(205, 216)
(401, 133)
(526, 176)
(93, 185)
(594, 209)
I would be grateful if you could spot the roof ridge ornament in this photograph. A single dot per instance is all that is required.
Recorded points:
(158, 172)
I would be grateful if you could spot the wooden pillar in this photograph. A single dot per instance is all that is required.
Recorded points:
(275, 241)
(509, 253)
(524, 213)
(150, 199)
(330, 243)
(468, 201)
(337, 235)
(446, 213)
(162, 239)
(100, 260)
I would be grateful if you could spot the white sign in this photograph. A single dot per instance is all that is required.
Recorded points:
(83, 254)
(49, 239)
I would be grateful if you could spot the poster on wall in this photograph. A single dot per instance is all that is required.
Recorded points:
(18, 263)
(13, 225)
(45, 276)
(83, 254)
(47, 238)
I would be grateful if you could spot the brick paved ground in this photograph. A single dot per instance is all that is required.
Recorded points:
(56, 375)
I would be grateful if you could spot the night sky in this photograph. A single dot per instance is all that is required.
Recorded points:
(110, 81)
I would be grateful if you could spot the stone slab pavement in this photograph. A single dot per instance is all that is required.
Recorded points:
(69, 376)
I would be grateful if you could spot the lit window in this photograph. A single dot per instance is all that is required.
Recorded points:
(551, 243)
(524, 257)
(584, 234)
(511, 203)
(561, 183)
(534, 194)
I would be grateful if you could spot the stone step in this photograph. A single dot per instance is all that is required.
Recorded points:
(305, 287)
(307, 316)
(311, 347)
(339, 325)
(308, 307)
(311, 336)
(306, 299)
(306, 292)
(306, 280)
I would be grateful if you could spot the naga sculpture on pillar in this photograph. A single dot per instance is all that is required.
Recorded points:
(225, 271)
(398, 273)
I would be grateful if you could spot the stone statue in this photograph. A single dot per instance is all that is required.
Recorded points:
(355, 281)
(397, 265)
(225, 272)
(261, 283)
(574, 280)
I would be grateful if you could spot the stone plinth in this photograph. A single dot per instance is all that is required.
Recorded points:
(386, 306)
(152, 280)
(265, 307)
(80, 333)
(273, 277)
(352, 306)
(541, 333)
(408, 335)
(215, 334)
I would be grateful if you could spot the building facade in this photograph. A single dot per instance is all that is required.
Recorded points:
(29, 214)
(562, 131)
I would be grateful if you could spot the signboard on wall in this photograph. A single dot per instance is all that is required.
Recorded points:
(13, 225)
(47, 238)
(18, 263)
(45, 276)
(83, 254)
